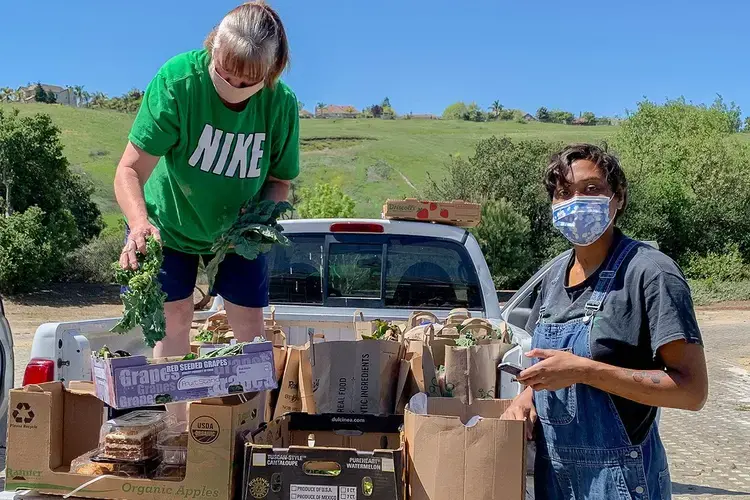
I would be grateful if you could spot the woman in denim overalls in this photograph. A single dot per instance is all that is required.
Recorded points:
(584, 449)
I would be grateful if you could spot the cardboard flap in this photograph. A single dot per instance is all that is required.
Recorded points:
(453, 407)
(82, 387)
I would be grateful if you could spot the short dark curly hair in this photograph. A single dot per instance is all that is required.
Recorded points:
(561, 163)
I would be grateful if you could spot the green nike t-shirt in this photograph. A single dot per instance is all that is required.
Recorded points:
(213, 159)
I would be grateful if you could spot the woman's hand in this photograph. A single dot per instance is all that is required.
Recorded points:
(522, 408)
(139, 231)
(556, 370)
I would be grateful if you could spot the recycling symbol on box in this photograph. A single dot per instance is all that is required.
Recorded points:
(23, 413)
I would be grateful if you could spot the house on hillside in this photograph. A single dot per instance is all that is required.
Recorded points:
(64, 95)
(303, 113)
(336, 111)
(529, 117)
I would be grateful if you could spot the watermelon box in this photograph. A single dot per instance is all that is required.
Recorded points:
(456, 213)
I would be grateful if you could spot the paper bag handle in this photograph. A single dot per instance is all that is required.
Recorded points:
(457, 316)
(358, 316)
(417, 315)
(477, 325)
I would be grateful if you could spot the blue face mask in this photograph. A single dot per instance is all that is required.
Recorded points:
(582, 219)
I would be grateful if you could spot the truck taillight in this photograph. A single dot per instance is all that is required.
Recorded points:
(39, 371)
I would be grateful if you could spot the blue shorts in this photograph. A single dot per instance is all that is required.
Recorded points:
(239, 281)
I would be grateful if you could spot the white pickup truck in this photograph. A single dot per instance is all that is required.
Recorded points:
(385, 269)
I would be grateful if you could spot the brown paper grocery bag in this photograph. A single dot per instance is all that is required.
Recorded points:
(278, 337)
(471, 372)
(365, 329)
(422, 364)
(289, 397)
(358, 376)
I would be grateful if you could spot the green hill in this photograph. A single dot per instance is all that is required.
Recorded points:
(370, 159)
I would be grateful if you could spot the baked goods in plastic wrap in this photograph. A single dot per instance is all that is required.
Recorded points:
(172, 444)
(132, 437)
(85, 466)
(169, 472)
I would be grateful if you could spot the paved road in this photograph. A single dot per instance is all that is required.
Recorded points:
(709, 451)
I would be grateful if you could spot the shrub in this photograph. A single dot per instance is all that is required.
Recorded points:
(33, 248)
(505, 238)
(92, 263)
(455, 111)
(727, 266)
(325, 201)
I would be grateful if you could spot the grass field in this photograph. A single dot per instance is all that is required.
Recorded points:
(370, 159)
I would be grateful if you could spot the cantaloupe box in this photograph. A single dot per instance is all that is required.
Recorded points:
(457, 213)
(136, 381)
(51, 425)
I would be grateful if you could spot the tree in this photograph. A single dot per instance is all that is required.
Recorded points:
(78, 93)
(496, 108)
(376, 110)
(455, 111)
(39, 94)
(689, 188)
(542, 114)
(35, 172)
(588, 118)
(732, 113)
(300, 105)
(386, 103)
(563, 117)
(6, 94)
(86, 96)
(33, 247)
(325, 201)
(51, 97)
(99, 100)
(504, 236)
(474, 113)
(747, 125)
(502, 168)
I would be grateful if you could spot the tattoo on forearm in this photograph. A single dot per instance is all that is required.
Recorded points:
(654, 376)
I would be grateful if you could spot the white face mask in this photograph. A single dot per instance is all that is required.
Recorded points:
(229, 93)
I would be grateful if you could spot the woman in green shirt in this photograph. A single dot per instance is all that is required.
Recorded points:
(215, 129)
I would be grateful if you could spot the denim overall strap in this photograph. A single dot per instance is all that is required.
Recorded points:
(607, 277)
(557, 273)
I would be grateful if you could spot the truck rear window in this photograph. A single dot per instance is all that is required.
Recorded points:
(386, 271)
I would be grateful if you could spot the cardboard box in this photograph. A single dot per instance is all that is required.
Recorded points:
(64, 423)
(457, 213)
(448, 460)
(352, 456)
(134, 382)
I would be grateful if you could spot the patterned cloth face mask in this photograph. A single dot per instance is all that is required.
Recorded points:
(582, 219)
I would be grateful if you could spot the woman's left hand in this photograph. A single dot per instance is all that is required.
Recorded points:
(556, 370)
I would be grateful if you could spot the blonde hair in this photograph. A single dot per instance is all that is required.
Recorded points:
(250, 41)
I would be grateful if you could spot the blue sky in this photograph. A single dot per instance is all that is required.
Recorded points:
(578, 55)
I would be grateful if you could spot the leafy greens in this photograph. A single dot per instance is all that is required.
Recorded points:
(143, 298)
(254, 232)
